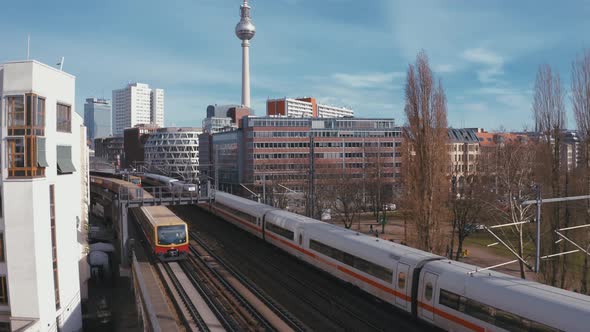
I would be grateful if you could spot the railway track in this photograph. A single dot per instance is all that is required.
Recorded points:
(323, 302)
(278, 310)
(195, 321)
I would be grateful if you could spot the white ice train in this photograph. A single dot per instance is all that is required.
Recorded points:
(431, 288)
(172, 184)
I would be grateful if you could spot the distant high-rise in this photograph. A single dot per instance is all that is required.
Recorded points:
(97, 118)
(137, 104)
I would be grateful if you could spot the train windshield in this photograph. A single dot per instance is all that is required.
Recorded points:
(171, 234)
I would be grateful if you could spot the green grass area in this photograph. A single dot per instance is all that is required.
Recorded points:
(482, 239)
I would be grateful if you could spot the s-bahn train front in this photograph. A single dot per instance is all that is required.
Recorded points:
(171, 242)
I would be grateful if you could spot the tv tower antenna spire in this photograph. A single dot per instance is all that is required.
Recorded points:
(245, 31)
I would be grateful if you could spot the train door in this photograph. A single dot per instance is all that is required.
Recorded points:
(428, 295)
(401, 285)
(300, 241)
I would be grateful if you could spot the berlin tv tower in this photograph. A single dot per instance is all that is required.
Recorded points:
(245, 31)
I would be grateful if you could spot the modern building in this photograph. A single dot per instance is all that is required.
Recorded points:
(306, 107)
(42, 216)
(219, 118)
(290, 151)
(224, 117)
(137, 103)
(134, 140)
(173, 152)
(97, 118)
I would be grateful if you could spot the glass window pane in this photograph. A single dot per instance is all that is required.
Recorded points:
(449, 299)
(479, 311)
(428, 291)
(509, 321)
(401, 280)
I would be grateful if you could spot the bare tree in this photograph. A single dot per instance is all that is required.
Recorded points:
(426, 163)
(346, 198)
(513, 167)
(466, 206)
(581, 106)
(549, 116)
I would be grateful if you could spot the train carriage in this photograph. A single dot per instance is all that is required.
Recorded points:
(432, 288)
(166, 233)
(243, 213)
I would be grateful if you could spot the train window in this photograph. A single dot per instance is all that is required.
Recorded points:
(428, 291)
(479, 311)
(497, 317)
(509, 321)
(538, 327)
(401, 280)
(280, 231)
(351, 260)
(449, 299)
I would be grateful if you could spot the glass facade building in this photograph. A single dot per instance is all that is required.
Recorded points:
(97, 118)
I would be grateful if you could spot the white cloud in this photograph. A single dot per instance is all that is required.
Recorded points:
(367, 80)
(444, 68)
(492, 62)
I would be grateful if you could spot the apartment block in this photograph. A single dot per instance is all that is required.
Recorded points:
(306, 107)
(135, 104)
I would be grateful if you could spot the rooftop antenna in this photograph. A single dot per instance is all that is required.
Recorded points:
(28, 45)
(61, 63)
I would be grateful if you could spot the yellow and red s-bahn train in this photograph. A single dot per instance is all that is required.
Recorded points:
(166, 233)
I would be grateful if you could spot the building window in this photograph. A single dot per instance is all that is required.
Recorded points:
(3, 290)
(2, 247)
(64, 160)
(25, 121)
(25, 114)
(15, 110)
(5, 327)
(54, 243)
(64, 118)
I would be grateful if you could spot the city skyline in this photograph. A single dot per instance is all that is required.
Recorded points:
(346, 53)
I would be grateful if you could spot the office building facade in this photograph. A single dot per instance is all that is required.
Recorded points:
(135, 104)
(97, 118)
(42, 188)
(288, 151)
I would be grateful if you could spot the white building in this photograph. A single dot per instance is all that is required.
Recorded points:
(136, 104)
(328, 111)
(42, 213)
(306, 107)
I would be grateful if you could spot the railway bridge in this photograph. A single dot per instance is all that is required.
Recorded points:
(115, 199)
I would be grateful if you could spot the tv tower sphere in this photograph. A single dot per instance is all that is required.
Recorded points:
(245, 30)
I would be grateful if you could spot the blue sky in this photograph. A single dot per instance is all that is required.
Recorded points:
(344, 52)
